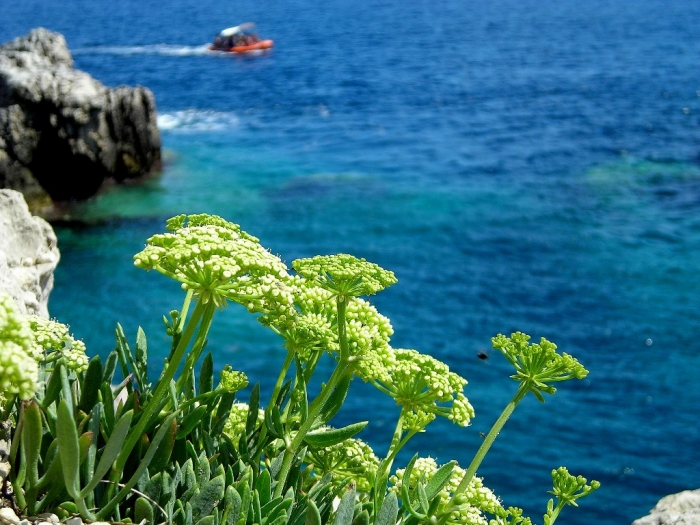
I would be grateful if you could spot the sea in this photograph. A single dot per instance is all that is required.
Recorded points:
(521, 165)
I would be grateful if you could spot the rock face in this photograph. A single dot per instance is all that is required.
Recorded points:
(62, 133)
(28, 254)
(677, 509)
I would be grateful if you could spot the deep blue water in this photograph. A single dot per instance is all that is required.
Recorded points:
(520, 165)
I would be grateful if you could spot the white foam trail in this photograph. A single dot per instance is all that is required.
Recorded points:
(155, 49)
(196, 120)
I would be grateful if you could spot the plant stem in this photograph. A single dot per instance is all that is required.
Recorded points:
(150, 408)
(384, 467)
(197, 346)
(489, 439)
(280, 378)
(317, 405)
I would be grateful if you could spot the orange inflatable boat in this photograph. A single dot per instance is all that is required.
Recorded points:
(244, 48)
(239, 39)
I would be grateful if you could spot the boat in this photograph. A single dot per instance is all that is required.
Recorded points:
(240, 39)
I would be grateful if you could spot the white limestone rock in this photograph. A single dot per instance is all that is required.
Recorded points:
(677, 509)
(28, 254)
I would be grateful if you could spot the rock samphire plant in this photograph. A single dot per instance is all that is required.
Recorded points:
(181, 449)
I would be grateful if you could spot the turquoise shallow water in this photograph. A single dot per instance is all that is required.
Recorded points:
(520, 165)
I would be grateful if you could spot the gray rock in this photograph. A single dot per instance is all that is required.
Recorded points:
(677, 509)
(28, 254)
(63, 133)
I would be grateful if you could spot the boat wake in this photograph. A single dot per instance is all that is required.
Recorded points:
(197, 121)
(154, 49)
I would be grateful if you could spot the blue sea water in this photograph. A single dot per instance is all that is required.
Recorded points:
(520, 165)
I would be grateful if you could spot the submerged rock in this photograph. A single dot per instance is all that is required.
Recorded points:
(63, 133)
(677, 509)
(28, 255)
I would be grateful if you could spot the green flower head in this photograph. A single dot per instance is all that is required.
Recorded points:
(536, 364)
(220, 262)
(424, 387)
(19, 370)
(236, 422)
(52, 341)
(569, 488)
(232, 381)
(345, 275)
(471, 505)
(315, 329)
(351, 459)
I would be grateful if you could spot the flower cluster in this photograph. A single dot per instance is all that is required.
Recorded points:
(425, 388)
(471, 505)
(569, 488)
(232, 381)
(218, 262)
(353, 459)
(18, 365)
(236, 423)
(52, 341)
(315, 329)
(345, 275)
(536, 364)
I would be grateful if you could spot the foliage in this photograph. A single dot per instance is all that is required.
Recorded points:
(180, 449)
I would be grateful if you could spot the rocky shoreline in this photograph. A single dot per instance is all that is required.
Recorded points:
(63, 134)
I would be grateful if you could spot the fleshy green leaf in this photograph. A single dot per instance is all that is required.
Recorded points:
(389, 510)
(68, 448)
(191, 420)
(326, 437)
(439, 479)
(206, 374)
(313, 517)
(346, 509)
(111, 451)
(209, 496)
(143, 510)
(91, 385)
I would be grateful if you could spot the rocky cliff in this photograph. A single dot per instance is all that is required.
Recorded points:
(28, 255)
(63, 133)
(677, 509)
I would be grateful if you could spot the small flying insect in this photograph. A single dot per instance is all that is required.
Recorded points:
(482, 355)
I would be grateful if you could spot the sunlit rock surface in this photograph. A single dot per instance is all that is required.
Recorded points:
(677, 509)
(28, 254)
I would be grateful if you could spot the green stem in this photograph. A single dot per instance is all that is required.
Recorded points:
(317, 404)
(280, 378)
(555, 513)
(200, 311)
(197, 346)
(489, 439)
(382, 472)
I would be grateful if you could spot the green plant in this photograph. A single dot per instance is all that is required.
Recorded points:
(179, 449)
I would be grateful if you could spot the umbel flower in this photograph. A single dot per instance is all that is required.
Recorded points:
(218, 261)
(345, 275)
(352, 459)
(471, 504)
(537, 365)
(232, 381)
(52, 341)
(236, 422)
(315, 329)
(19, 370)
(425, 388)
